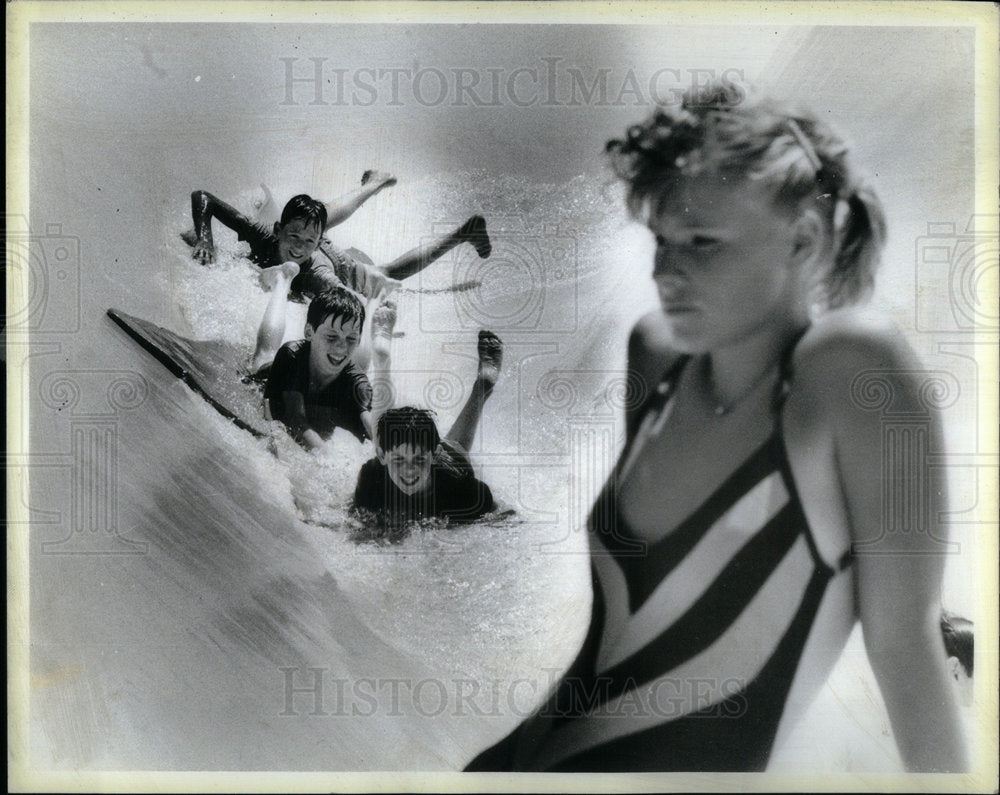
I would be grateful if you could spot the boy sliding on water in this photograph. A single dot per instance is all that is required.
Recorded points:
(299, 233)
(416, 473)
(287, 253)
(313, 386)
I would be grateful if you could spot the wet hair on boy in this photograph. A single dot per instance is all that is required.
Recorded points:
(304, 208)
(408, 425)
(313, 386)
(432, 476)
(336, 303)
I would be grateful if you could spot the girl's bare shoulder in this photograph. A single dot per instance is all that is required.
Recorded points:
(851, 359)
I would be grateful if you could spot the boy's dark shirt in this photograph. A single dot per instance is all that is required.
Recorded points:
(455, 493)
(338, 405)
(314, 276)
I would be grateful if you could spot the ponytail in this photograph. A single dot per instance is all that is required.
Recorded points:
(860, 236)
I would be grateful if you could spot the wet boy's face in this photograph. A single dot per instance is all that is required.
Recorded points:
(331, 346)
(297, 240)
(409, 467)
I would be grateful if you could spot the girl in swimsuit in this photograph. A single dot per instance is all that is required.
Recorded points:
(754, 514)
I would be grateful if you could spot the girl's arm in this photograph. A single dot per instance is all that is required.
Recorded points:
(866, 378)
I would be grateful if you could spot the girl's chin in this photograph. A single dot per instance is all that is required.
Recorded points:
(686, 339)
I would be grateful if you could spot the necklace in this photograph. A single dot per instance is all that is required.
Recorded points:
(720, 408)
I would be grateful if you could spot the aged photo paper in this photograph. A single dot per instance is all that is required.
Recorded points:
(193, 606)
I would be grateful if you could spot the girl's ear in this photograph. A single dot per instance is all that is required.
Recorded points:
(805, 257)
(954, 668)
(807, 238)
(379, 454)
(277, 227)
(308, 332)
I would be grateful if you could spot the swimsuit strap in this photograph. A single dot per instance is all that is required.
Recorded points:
(666, 386)
(784, 383)
(658, 399)
(605, 506)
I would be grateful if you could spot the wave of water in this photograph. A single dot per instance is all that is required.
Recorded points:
(250, 570)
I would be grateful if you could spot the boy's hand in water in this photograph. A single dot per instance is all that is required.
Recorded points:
(203, 252)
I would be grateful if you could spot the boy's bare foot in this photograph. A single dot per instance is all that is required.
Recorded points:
(269, 276)
(262, 199)
(490, 358)
(383, 322)
(380, 178)
(474, 231)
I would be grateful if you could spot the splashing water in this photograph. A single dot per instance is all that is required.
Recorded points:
(251, 582)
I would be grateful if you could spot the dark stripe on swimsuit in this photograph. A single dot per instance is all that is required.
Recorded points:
(738, 733)
(735, 734)
(645, 574)
(715, 610)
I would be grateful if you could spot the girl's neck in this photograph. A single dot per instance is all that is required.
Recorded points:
(734, 370)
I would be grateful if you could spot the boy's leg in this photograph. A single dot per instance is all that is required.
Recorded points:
(383, 320)
(490, 358)
(342, 208)
(272, 325)
(472, 231)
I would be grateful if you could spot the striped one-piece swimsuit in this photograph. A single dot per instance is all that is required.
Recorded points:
(697, 640)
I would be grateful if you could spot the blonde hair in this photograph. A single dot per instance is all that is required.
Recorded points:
(724, 130)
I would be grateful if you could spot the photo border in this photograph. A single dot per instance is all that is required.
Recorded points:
(22, 13)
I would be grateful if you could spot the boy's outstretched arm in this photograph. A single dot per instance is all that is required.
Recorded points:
(205, 207)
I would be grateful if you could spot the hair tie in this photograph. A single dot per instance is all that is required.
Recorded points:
(842, 210)
(804, 143)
